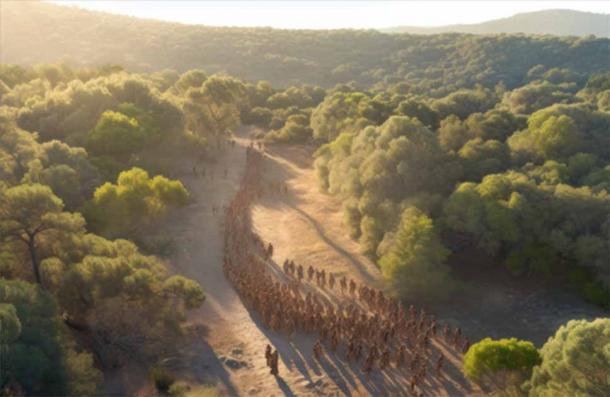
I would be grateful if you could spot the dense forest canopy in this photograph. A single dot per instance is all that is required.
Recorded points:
(497, 171)
(434, 65)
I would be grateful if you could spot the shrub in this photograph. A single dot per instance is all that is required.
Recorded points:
(498, 361)
(163, 380)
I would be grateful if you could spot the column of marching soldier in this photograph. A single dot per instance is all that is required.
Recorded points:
(372, 329)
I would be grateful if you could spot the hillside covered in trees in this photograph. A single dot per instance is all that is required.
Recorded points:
(440, 148)
(435, 65)
(550, 22)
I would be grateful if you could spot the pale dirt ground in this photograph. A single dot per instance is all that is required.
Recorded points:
(306, 226)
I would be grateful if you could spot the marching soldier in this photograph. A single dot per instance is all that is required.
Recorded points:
(352, 287)
(439, 365)
(317, 350)
(268, 355)
(400, 356)
(343, 284)
(310, 273)
(274, 363)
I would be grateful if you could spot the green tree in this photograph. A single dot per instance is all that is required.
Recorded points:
(17, 148)
(258, 116)
(555, 138)
(296, 129)
(83, 378)
(481, 158)
(535, 96)
(464, 102)
(503, 363)
(213, 108)
(421, 111)
(11, 326)
(339, 112)
(494, 124)
(193, 78)
(31, 213)
(575, 361)
(453, 134)
(116, 135)
(35, 350)
(134, 201)
(66, 170)
(414, 264)
(124, 297)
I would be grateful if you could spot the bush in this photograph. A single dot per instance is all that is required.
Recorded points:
(597, 293)
(258, 116)
(490, 361)
(163, 380)
(296, 129)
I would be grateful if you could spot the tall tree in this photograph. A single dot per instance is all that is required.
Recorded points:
(414, 263)
(29, 213)
(575, 361)
(213, 109)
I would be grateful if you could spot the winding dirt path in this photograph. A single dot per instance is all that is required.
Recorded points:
(227, 348)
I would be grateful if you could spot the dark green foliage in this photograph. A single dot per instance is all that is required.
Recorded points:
(538, 95)
(258, 116)
(421, 111)
(67, 170)
(212, 110)
(424, 137)
(575, 361)
(70, 111)
(413, 263)
(340, 112)
(32, 214)
(296, 129)
(509, 213)
(34, 349)
(480, 158)
(534, 175)
(380, 170)
(560, 131)
(463, 103)
(17, 148)
(107, 287)
(32, 355)
(435, 65)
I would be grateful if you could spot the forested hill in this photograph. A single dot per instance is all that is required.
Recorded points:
(34, 32)
(555, 22)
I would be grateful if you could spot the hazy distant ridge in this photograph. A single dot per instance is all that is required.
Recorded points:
(555, 22)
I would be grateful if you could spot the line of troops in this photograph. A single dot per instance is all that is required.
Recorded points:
(367, 326)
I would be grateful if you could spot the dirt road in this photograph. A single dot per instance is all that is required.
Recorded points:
(304, 225)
